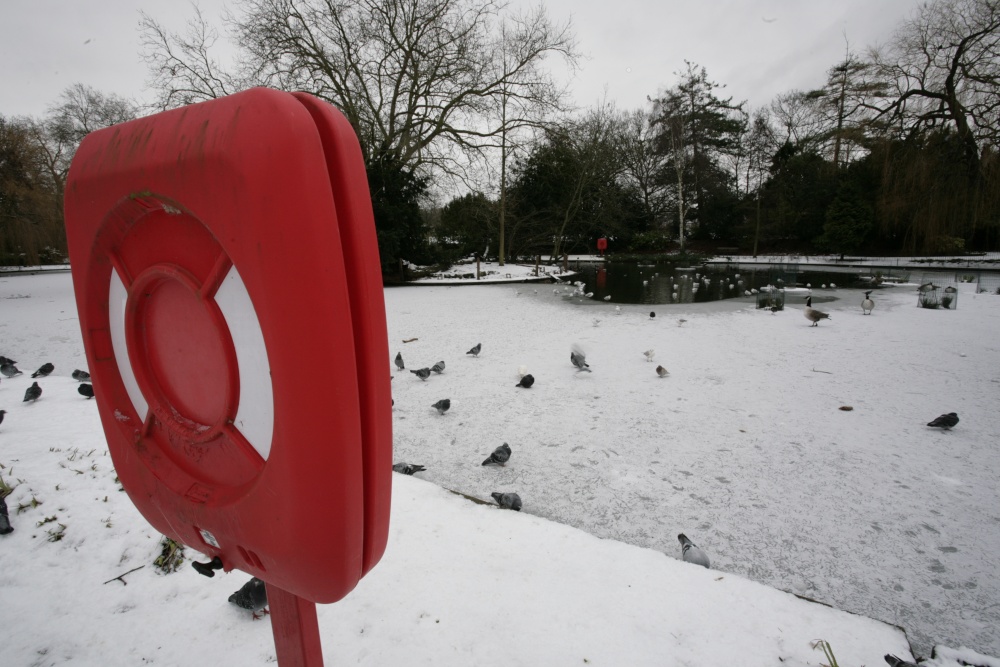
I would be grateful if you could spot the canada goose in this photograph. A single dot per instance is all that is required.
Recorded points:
(867, 304)
(814, 315)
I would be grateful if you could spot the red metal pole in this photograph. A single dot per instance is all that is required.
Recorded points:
(295, 628)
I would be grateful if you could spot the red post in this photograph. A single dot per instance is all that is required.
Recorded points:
(295, 628)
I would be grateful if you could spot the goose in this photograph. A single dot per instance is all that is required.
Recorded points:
(867, 304)
(814, 315)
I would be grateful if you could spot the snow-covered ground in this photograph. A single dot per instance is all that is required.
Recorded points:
(743, 447)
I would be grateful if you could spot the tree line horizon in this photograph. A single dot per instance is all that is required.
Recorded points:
(895, 152)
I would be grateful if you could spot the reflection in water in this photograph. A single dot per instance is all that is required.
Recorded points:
(655, 283)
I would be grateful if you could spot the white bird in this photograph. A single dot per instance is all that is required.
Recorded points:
(833, 285)
(522, 370)
(607, 298)
(649, 354)
(589, 295)
(691, 553)
(681, 322)
(618, 310)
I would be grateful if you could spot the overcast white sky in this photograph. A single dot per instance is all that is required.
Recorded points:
(757, 48)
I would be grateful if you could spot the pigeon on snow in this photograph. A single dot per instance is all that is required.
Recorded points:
(80, 376)
(579, 359)
(438, 367)
(5, 526)
(500, 456)
(2, 413)
(945, 421)
(649, 354)
(399, 361)
(662, 372)
(690, 553)
(408, 468)
(252, 596)
(475, 351)
(526, 381)
(896, 662)
(86, 390)
(442, 405)
(422, 373)
(6, 360)
(9, 370)
(32, 393)
(43, 371)
(509, 501)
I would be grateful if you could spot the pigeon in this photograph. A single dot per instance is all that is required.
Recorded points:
(407, 468)
(9, 370)
(86, 390)
(6, 360)
(649, 354)
(399, 361)
(80, 376)
(508, 501)
(867, 304)
(662, 372)
(43, 371)
(945, 421)
(253, 596)
(32, 393)
(438, 367)
(812, 314)
(500, 456)
(422, 373)
(5, 527)
(896, 662)
(579, 359)
(652, 314)
(475, 351)
(681, 322)
(2, 413)
(442, 405)
(691, 553)
(526, 381)
(607, 298)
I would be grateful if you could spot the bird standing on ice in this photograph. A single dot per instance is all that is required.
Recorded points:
(945, 421)
(814, 315)
(691, 553)
(867, 304)
(475, 350)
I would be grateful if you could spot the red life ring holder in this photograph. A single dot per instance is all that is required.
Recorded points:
(228, 282)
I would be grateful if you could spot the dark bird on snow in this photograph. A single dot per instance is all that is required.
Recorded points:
(80, 376)
(500, 456)
(5, 526)
(691, 553)
(422, 373)
(662, 372)
(774, 309)
(475, 351)
(652, 314)
(9, 370)
(867, 304)
(408, 468)
(812, 314)
(399, 361)
(438, 367)
(526, 381)
(442, 405)
(43, 371)
(86, 390)
(6, 360)
(2, 413)
(579, 359)
(32, 393)
(508, 501)
(945, 421)
(252, 596)
(896, 662)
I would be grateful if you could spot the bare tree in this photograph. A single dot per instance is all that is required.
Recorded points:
(645, 168)
(944, 68)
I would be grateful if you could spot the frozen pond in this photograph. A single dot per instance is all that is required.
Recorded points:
(743, 446)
